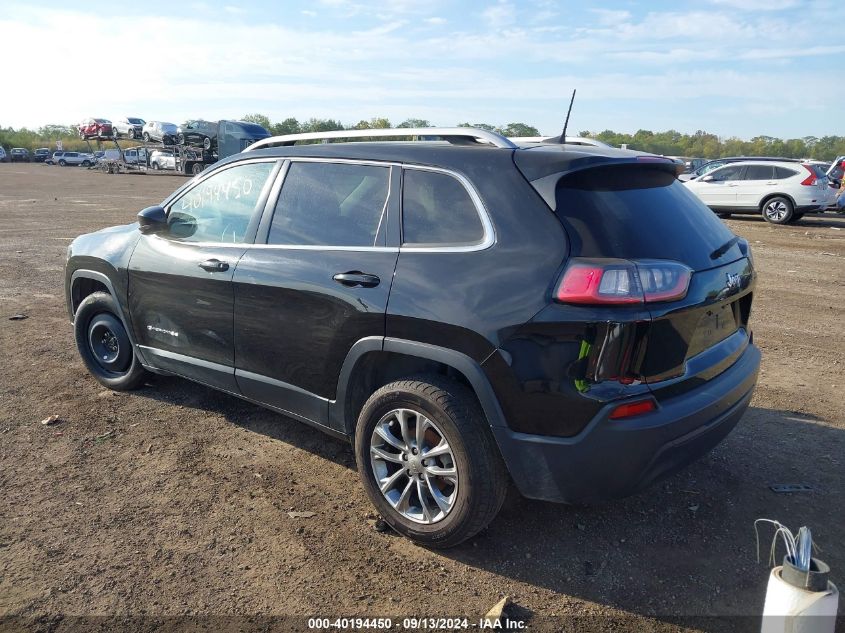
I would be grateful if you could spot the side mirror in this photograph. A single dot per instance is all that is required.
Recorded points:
(707, 179)
(152, 220)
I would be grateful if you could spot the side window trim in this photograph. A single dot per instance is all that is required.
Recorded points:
(260, 205)
(489, 237)
(390, 208)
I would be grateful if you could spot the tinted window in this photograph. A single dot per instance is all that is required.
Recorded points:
(437, 209)
(634, 212)
(731, 172)
(330, 204)
(758, 172)
(219, 208)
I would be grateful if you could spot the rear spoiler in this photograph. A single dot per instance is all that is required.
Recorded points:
(543, 170)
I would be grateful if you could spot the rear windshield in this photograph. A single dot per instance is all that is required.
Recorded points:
(635, 211)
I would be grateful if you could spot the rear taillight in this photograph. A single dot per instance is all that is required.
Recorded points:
(809, 181)
(622, 281)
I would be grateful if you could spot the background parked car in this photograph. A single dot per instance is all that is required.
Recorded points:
(837, 170)
(781, 191)
(3, 157)
(130, 126)
(159, 131)
(135, 155)
(19, 155)
(162, 159)
(105, 155)
(721, 162)
(95, 128)
(198, 133)
(42, 154)
(73, 158)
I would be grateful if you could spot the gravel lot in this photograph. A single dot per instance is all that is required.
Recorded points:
(174, 499)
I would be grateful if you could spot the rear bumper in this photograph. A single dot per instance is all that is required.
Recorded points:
(616, 458)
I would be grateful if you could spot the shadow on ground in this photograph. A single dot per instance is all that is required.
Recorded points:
(692, 533)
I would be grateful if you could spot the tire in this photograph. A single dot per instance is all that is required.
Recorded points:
(85, 163)
(131, 133)
(777, 210)
(795, 217)
(206, 143)
(146, 137)
(104, 344)
(197, 168)
(723, 215)
(63, 163)
(469, 499)
(180, 139)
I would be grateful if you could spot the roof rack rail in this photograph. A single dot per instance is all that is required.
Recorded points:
(454, 135)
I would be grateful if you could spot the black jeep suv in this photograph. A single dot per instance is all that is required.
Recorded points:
(463, 310)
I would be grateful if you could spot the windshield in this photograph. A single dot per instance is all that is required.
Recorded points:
(708, 167)
(136, 121)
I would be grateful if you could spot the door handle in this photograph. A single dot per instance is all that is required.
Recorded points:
(733, 184)
(214, 266)
(356, 278)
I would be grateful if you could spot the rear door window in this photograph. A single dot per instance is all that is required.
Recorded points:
(758, 172)
(638, 212)
(330, 204)
(438, 210)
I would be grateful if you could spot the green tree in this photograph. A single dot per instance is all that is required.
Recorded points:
(288, 126)
(260, 119)
(520, 129)
(415, 123)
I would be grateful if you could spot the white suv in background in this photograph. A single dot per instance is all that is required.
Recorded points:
(781, 191)
(129, 126)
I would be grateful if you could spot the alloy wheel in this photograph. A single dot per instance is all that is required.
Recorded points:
(776, 210)
(414, 466)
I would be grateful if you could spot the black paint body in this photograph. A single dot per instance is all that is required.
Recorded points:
(277, 329)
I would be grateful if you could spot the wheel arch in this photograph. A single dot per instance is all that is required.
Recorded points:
(84, 282)
(375, 361)
(769, 196)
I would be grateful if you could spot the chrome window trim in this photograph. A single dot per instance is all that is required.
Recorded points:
(486, 242)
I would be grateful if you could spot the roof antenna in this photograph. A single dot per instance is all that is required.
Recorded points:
(566, 123)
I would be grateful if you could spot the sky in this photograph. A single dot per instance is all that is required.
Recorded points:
(730, 67)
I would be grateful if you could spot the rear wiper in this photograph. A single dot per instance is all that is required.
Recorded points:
(724, 248)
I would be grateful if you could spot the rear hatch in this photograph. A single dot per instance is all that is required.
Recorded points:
(637, 212)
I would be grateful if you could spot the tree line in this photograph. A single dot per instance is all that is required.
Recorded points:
(706, 145)
(701, 144)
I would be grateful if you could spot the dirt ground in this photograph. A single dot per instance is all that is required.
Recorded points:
(173, 500)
